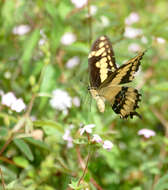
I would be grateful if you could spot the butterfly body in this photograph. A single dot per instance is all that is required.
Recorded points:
(107, 82)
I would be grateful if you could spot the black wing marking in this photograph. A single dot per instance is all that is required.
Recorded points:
(126, 101)
(124, 73)
(101, 61)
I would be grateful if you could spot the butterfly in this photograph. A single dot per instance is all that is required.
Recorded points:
(107, 81)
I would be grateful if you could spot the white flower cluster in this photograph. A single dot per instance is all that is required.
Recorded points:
(96, 138)
(132, 18)
(79, 3)
(67, 136)
(62, 101)
(11, 101)
(147, 133)
(74, 61)
(21, 30)
(68, 38)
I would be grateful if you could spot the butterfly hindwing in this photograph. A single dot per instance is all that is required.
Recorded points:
(101, 61)
(126, 101)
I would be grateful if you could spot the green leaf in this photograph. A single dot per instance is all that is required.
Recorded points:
(50, 75)
(37, 143)
(162, 86)
(162, 184)
(49, 124)
(24, 148)
(29, 46)
(7, 173)
(21, 161)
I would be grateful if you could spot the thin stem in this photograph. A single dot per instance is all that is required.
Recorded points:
(163, 151)
(85, 169)
(7, 143)
(2, 179)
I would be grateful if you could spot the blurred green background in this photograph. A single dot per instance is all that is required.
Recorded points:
(44, 47)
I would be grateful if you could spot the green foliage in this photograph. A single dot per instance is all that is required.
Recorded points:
(41, 147)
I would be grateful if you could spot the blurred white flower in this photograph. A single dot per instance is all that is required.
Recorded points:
(67, 137)
(134, 47)
(144, 40)
(61, 100)
(160, 40)
(132, 32)
(87, 129)
(105, 21)
(7, 75)
(107, 145)
(72, 62)
(79, 3)
(42, 41)
(132, 18)
(68, 38)
(76, 101)
(93, 10)
(146, 133)
(18, 105)
(96, 138)
(21, 30)
(8, 99)
(11, 101)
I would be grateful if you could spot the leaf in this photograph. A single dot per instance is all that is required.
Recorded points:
(21, 161)
(49, 124)
(162, 184)
(37, 143)
(29, 46)
(7, 173)
(50, 75)
(162, 86)
(24, 148)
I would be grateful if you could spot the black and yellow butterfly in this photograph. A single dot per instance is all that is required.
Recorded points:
(106, 80)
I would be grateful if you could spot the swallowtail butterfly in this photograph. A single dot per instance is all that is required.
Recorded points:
(107, 80)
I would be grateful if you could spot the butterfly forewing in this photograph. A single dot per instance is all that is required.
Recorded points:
(101, 61)
(125, 73)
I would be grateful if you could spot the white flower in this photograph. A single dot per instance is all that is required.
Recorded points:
(76, 101)
(21, 30)
(68, 38)
(18, 105)
(87, 129)
(96, 138)
(67, 137)
(146, 133)
(61, 100)
(132, 32)
(144, 40)
(93, 10)
(72, 62)
(160, 40)
(132, 18)
(105, 21)
(107, 145)
(79, 3)
(134, 47)
(8, 99)
(7, 75)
